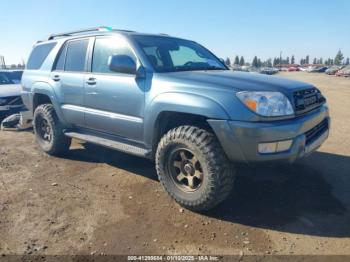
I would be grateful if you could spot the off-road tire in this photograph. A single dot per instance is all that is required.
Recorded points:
(59, 143)
(218, 172)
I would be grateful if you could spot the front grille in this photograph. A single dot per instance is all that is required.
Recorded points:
(307, 100)
(12, 101)
(316, 132)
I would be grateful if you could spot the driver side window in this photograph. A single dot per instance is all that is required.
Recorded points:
(184, 55)
(106, 47)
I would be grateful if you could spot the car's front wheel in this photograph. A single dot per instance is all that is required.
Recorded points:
(49, 131)
(193, 168)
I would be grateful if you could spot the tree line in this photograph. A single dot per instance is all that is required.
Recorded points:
(339, 59)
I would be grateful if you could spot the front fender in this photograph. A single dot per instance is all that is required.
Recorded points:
(180, 103)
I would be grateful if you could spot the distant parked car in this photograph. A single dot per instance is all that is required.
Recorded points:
(10, 93)
(293, 69)
(303, 69)
(237, 68)
(240, 68)
(254, 69)
(344, 72)
(269, 70)
(320, 69)
(245, 68)
(310, 68)
(333, 70)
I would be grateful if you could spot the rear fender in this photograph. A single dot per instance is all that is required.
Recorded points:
(43, 88)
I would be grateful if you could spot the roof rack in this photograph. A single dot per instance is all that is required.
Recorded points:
(88, 30)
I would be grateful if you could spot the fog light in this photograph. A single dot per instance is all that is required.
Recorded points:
(265, 148)
(274, 147)
(284, 145)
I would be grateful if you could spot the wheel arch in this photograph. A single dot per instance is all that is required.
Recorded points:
(43, 93)
(170, 110)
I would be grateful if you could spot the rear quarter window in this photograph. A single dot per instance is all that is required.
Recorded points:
(38, 56)
(61, 59)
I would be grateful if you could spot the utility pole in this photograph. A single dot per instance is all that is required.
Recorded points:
(2, 62)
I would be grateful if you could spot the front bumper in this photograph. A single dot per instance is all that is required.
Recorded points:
(6, 111)
(240, 140)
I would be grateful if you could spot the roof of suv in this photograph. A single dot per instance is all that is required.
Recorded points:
(102, 30)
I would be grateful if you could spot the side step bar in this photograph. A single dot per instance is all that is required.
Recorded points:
(113, 144)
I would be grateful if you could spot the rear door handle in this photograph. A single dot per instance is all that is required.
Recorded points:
(91, 81)
(56, 78)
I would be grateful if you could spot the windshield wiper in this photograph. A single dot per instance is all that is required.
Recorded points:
(214, 68)
(181, 69)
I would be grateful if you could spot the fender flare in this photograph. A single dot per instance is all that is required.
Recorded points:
(44, 88)
(179, 102)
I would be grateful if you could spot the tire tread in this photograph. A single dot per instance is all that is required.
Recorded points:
(220, 171)
(61, 143)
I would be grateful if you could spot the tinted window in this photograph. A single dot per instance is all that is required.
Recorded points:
(76, 53)
(104, 49)
(61, 59)
(38, 55)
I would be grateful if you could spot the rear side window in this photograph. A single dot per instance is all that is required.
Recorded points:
(76, 55)
(61, 59)
(38, 56)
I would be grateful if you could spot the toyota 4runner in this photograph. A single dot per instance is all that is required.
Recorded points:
(170, 100)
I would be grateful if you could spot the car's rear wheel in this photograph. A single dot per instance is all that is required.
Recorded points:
(193, 168)
(49, 131)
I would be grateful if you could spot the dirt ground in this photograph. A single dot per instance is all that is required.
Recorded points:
(96, 200)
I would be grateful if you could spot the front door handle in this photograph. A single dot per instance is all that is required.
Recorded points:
(56, 78)
(92, 93)
(91, 81)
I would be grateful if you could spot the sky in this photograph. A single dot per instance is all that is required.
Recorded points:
(227, 27)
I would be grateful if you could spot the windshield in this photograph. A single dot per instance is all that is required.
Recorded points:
(4, 79)
(168, 54)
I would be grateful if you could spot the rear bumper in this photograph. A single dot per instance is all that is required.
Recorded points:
(240, 140)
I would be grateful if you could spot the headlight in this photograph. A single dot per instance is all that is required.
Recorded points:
(267, 103)
(2, 101)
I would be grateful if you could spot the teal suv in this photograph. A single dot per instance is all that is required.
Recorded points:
(170, 100)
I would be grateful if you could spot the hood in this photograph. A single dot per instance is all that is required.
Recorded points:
(239, 81)
(10, 90)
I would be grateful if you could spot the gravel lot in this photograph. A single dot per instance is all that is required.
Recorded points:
(97, 201)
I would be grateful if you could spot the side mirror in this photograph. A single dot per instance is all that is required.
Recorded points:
(122, 64)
